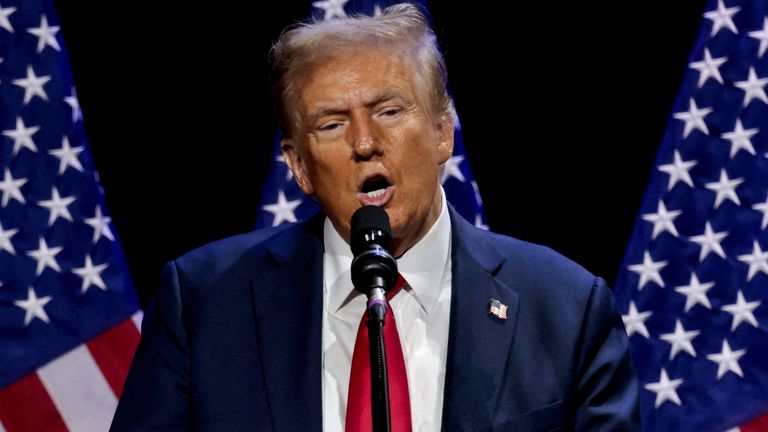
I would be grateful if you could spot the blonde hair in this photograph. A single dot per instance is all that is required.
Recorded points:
(400, 29)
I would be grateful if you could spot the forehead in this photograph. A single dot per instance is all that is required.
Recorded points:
(347, 79)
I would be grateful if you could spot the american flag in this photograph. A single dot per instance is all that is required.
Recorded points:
(694, 284)
(282, 200)
(498, 309)
(68, 311)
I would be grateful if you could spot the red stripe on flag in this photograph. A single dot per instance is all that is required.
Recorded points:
(26, 406)
(759, 424)
(113, 351)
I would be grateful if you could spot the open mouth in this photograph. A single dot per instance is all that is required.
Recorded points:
(375, 187)
(375, 190)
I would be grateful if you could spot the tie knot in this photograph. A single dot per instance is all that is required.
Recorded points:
(398, 286)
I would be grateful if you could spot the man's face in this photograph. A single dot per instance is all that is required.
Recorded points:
(365, 137)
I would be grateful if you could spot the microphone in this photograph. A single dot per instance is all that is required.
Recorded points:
(374, 269)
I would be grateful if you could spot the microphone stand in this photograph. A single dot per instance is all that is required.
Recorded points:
(377, 310)
(374, 270)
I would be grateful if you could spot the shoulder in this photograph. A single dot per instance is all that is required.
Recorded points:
(549, 286)
(546, 278)
(540, 264)
(238, 258)
(570, 336)
(222, 253)
(219, 275)
(533, 265)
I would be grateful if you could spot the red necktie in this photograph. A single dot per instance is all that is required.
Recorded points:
(359, 396)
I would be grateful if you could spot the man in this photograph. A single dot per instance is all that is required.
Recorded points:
(257, 332)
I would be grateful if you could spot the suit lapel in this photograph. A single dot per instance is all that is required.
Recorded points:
(288, 304)
(479, 344)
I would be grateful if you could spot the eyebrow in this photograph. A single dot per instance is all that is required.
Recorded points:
(381, 97)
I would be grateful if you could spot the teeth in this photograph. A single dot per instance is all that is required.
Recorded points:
(375, 194)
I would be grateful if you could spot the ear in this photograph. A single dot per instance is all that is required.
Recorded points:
(445, 131)
(295, 163)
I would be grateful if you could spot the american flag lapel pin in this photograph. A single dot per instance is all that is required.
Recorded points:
(497, 309)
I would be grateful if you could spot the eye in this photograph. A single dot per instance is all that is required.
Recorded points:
(330, 126)
(330, 129)
(390, 113)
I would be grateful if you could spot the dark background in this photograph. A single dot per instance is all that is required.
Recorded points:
(562, 108)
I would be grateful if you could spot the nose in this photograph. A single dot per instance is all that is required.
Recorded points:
(366, 141)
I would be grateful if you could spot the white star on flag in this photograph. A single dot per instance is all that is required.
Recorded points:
(754, 88)
(451, 169)
(662, 220)
(757, 260)
(695, 293)
(479, 223)
(11, 188)
(763, 208)
(22, 136)
(282, 209)
(740, 139)
(67, 156)
(288, 172)
(742, 311)
(34, 307)
(725, 188)
(709, 67)
(100, 225)
(46, 35)
(4, 21)
(722, 17)
(91, 274)
(665, 389)
(5, 239)
(331, 8)
(46, 257)
(73, 103)
(762, 36)
(693, 118)
(476, 191)
(710, 242)
(648, 270)
(57, 206)
(634, 321)
(33, 85)
(680, 340)
(727, 360)
(679, 170)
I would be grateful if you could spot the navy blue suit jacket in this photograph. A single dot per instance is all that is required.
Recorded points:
(232, 340)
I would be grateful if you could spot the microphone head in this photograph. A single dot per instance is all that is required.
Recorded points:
(370, 225)
(370, 237)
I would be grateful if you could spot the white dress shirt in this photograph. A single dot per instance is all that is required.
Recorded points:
(422, 311)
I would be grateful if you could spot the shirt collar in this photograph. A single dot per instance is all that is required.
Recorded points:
(422, 266)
